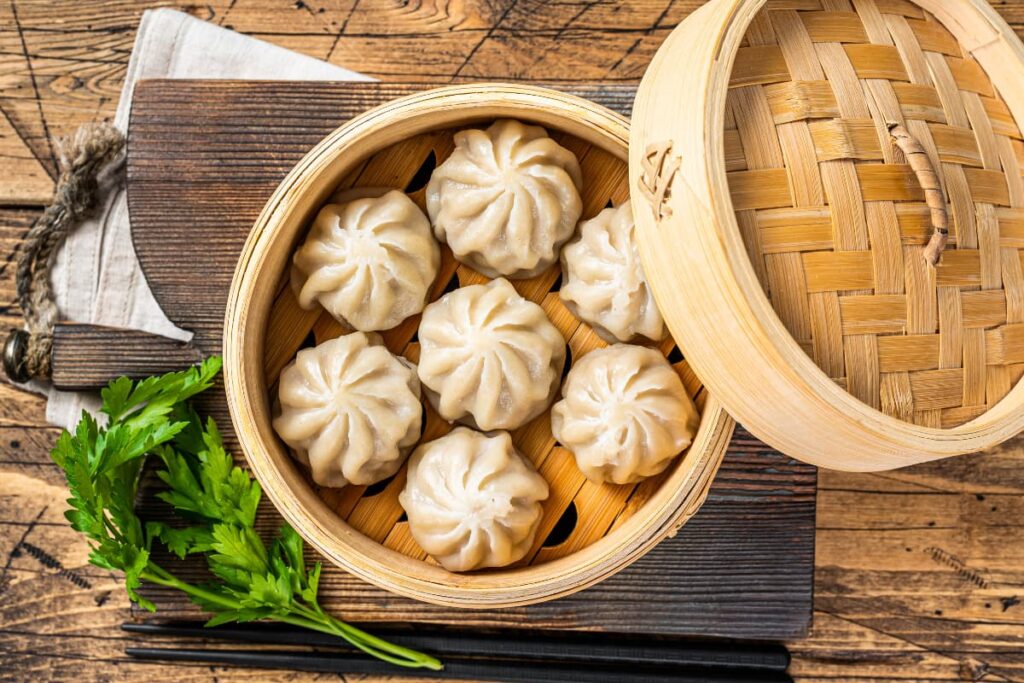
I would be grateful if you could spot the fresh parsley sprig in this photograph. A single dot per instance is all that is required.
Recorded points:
(103, 465)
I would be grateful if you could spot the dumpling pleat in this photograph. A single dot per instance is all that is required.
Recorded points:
(305, 424)
(603, 280)
(485, 198)
(625, 414)
(350, 407)
(521, 229)
(457, 500)
(461, 383)
(347, 262)
(524, 354)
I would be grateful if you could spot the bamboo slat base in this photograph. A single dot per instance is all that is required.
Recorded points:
(395, 145)
(577, 512)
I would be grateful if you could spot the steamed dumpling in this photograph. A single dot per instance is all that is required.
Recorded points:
(350, 410)
(624, 414)
(604, 284)
(489, 357)
(506, 199)
(369, 262)
(472, 500)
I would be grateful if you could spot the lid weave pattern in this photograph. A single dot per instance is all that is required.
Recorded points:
(835, 221)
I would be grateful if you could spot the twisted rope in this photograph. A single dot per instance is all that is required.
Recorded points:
(91, 162)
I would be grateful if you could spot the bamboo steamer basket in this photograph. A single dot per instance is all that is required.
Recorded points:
(362, 529)
(795, 165)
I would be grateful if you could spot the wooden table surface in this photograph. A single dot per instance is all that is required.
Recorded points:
(919, 572)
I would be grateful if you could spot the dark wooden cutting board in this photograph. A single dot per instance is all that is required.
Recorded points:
(204, 156)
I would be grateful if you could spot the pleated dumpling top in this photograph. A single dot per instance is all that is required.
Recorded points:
(506, 199)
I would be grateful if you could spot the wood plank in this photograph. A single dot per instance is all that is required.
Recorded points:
(88, 356)
(29, 183)
(875, 633)
(217, 190)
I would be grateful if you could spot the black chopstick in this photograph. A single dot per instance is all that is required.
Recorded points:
(455, 669)
(589, 648)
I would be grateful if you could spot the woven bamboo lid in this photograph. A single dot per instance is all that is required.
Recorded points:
(795, 164)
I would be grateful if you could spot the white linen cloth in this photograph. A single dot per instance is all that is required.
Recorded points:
(96, 277)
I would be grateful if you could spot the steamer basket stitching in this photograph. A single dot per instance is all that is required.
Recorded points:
(918, 159)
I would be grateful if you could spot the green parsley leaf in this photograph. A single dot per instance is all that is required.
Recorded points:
(217, 499)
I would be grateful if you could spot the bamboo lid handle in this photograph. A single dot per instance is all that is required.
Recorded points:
(929, 180)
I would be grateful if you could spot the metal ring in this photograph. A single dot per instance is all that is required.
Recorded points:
(15, 355)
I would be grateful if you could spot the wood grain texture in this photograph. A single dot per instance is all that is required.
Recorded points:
(258, 131)
(875, 604)
(720, 576)
(33, 185)
(87, 357)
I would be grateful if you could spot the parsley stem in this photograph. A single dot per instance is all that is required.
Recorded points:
(365, 641)
(103, 466)
(160, 576)
(375, 647)
(324, 623)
